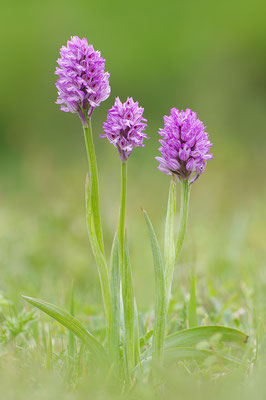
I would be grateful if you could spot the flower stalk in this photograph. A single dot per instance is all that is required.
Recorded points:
(173, 247)
(87, 129)
(183, 216)
(82, 85)
(124, 128)
(94, 222)
(184, 151)
(126, 277)
(99, 257)
(121, 226)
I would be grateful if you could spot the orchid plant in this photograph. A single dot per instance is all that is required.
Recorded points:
(82, 85)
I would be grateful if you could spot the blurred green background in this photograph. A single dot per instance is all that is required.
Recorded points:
(208, 56)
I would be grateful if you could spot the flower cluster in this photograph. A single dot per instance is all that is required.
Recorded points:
(185, 145)
(83, 83)
(124, 126)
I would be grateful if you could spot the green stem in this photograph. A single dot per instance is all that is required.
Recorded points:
(126, 277)
(94, 183)
(185, 193)
(172, 249)
(129, 311)
(121, 249)
(99, 257)
(122, 263)
(121, 226)
(94, 221)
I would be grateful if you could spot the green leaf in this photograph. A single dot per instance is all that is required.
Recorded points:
(130, 310)
(169, 237)
(192, 306)
(136, 333)
(193, 336)
(73, 325)
(94, 184)
(98, 254)
(160, 289)
(182, 345)
(114, 334)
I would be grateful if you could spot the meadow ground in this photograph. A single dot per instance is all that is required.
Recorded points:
(208, 56)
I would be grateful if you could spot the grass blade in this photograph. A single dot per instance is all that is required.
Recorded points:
(49, 351)
(71, 337)
(71, 323)
(136, 333)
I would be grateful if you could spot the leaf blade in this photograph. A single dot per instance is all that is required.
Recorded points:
(161, 299)
(195, 335)
(130, 309)
(169, 236)
(114, 334)
(71, 323)
(98, 253)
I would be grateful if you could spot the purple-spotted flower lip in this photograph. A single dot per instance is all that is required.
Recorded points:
(124, 126)
(83, 82)
(184, 145)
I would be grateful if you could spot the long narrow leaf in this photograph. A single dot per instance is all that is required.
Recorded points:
(98, 254)
(128, 302)
(169, 237)
(161, 300)
(136, 333)
(94, 184)
(193, 336)
(114, 335)
(73, 325)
